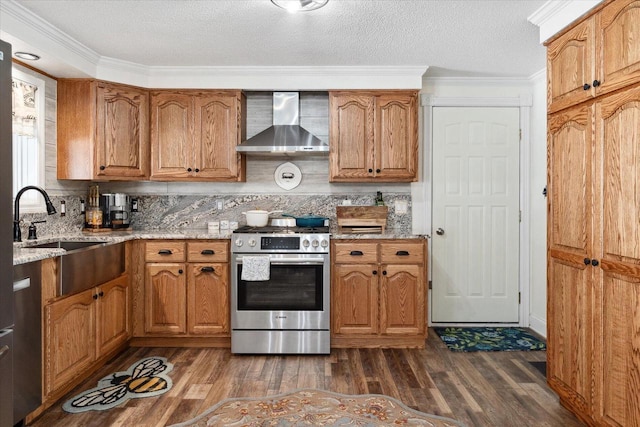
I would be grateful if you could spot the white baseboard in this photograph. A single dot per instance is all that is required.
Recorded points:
(538, 325)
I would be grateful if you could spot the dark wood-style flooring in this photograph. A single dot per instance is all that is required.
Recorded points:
(480, 389)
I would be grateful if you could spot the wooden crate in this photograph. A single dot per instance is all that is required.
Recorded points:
(361, 219)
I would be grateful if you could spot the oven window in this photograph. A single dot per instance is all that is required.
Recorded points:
(290, 287)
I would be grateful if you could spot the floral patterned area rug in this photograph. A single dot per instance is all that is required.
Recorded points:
(310, 407)
(489, 339)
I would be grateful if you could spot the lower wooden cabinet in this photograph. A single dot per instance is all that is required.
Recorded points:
(189, 297)
(378, 293)
(81, 328)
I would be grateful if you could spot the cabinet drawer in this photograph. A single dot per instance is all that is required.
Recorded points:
(402, 252)
(355, 253)
(213, 251)
(165, 251)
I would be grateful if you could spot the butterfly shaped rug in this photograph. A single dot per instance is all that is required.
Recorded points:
(147, 377)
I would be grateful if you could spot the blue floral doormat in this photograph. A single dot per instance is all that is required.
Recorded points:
(489, 339)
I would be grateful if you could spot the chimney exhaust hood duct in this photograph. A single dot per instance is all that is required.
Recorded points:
(286, 136)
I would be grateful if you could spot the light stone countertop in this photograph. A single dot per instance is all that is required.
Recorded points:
(22, 254)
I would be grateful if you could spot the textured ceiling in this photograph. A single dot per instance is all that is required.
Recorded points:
(453, 38)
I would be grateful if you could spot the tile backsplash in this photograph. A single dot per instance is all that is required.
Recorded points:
(176, 212)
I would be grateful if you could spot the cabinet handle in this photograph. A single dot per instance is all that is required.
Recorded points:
(356, 253)
(377, 170)
(197, 170)
(402, 253)
(586, 86)
(102, 167)
(374, 272)
(370, 170)
(95, 296)
(587, 261)
(596, 83)
(207, 269)
(207, 252)
(101, 294)
(594, 262)
(180, 271)
(165, 252)
(384, 272)
(189, 169)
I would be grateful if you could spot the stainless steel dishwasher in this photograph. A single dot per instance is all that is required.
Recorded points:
(27, 340)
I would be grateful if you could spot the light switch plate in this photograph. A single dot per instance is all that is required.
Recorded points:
(401, 207)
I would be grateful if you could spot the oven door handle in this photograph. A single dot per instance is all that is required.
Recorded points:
(280, 261)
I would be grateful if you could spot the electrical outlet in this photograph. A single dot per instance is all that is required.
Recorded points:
(134, 205)
(219, 204)
(346, 202)
(401, 207)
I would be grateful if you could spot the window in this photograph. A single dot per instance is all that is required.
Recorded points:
(28, 138)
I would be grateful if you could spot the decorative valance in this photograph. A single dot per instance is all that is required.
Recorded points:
(24, 108)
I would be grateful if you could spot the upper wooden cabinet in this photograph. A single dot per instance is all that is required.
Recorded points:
(194, 135)
(103, 131)
(373, 136)
(593, 57)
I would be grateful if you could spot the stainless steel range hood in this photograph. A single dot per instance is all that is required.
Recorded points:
(286, 136)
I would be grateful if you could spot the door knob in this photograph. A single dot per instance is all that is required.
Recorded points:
(439, 231)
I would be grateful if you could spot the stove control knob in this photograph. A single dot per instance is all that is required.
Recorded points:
(324, 243)
(305, 243)
(252, 242)
(239, 242)
(315, 243)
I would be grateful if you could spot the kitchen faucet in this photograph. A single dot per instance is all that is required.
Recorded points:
(17, 235)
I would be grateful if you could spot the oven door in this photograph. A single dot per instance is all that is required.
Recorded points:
(295, 297)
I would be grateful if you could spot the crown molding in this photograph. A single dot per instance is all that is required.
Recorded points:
(555, 15)
(70, 58)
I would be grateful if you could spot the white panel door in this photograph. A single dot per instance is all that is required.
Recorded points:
(476, 214)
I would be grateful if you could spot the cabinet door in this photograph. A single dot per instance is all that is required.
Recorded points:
(165, 298)
(217, 129)
(208, 299)
(112, 315)
(70, 338)
(571, 66)
(570, 277)
(617, 301)
(122, 132)
(351, 137)
(355, 299)
(402, 300)
(618, 33)
(171, 135)
(396, 137)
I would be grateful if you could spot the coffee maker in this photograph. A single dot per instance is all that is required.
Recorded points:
(116, 210)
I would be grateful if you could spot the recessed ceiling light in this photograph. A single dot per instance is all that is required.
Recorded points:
(26, 55)
(299, 5)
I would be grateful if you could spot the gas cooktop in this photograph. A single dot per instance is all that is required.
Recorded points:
(270, 229)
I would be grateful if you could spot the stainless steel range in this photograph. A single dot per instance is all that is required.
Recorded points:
(283, 305)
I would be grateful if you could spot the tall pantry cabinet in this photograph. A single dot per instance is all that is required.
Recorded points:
(593, 234)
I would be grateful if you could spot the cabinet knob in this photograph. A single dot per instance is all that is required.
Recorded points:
(594, 262)
(180, 271)
(374, 272)
(587, 261)
(586, 86)
(197, 170)
(102, 167)
(596, 83)
(377, 170)
(189, 169)
(95, 296)
(101, 294)
(207, 269)
(370, 170)
(384, 272)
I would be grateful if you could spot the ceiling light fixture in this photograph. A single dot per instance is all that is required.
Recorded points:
(26, 56)
(300, 5)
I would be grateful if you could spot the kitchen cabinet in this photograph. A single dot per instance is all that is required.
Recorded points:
(194, 135)
(378, 293)
(102, 131)
(82, 328)
(593, 57)
(373, 136)
(593, 256)
(187, 293)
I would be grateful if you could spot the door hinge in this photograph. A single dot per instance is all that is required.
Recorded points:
(520, 135)
(520, 216)
(430, 284)
(519, 298)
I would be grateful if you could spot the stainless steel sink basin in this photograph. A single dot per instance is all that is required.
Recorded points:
(68, 245)
(86, 263)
